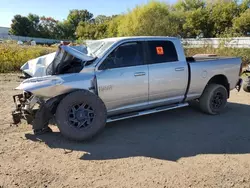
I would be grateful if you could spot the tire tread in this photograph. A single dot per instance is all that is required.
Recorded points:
(98, 124)
(205, 98)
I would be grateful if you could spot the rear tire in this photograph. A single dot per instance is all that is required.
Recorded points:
(213, 99)
(81, 115)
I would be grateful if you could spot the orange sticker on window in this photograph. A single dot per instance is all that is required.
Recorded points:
(160, 50)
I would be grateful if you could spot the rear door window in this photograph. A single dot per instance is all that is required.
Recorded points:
(162, 52)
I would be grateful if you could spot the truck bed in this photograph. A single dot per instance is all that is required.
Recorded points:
(203, 68)
(206, 58)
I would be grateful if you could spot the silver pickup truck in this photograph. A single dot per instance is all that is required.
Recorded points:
(117, 78)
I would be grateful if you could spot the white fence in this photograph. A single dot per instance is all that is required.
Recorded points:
(240, 42)
(26, 39)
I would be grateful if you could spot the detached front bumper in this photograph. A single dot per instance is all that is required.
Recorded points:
(36, 111)
(24, 104)
(25, 110)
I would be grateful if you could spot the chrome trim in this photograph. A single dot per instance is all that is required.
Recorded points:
(139, 74)
(180, 69)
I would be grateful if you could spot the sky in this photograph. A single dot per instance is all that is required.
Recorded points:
(59, 9)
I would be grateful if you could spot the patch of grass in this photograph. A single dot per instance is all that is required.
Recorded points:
(13, 56)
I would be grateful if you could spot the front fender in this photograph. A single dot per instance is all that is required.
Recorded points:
(52, 86)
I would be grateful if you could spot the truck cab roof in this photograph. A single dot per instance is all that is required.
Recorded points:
(117, 39)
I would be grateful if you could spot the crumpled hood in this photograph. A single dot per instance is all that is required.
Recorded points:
(37, 67)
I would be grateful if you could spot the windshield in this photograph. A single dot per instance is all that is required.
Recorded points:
(98, 47)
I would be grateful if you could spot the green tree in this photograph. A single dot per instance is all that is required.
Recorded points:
(21, 26)
(186, 18)
(91, 30)
(101, 30)
(100, 19)
(96, 29)
(188, 5)
(77, 16)
(198, 23)
(244, 5)
(34, 29)
(85, 30)
(222, 15)
(153, 19)
(112, 29)
(65, 30)
(241, 24)
(48, 27)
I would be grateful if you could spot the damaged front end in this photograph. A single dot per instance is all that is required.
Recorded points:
(42, 93)
(41, 96)
(34, 111)
(24, 107)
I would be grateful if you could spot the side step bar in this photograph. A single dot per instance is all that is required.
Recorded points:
(145, 112)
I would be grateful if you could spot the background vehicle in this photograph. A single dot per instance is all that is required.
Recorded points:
(123, 78)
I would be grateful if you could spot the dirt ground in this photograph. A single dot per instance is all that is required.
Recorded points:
(180, 148)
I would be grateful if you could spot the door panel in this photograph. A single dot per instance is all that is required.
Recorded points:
(168, 77)
(167, 82)
(123, 87)
(122, 79)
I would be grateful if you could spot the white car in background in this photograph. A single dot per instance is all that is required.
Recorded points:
(20, 42)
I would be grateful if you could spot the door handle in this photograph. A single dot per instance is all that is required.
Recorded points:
(140, 74)
(180, 69)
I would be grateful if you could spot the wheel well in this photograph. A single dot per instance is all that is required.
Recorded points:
(54, 102)
(222, 80)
